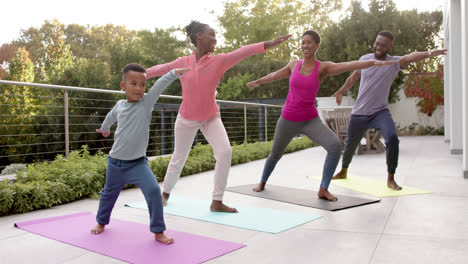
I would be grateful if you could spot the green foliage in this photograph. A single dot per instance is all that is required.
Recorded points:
(82, 175)
(201, 156)
(260, 68)
(17, 106)
(235, 87)
(44, 55)
(21, 67)
(50, 52)
(419, 130)
(355, 34)
(46, 184)
(13, 168)
(7, 196)
(159, 167)
(246, 22)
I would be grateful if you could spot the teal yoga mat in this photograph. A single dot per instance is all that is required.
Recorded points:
(259, 219)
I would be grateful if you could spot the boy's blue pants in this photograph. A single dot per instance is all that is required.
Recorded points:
(122, 172)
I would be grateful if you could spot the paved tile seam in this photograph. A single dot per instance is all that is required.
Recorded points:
(25, 233)
(383, 230)
(343, 231)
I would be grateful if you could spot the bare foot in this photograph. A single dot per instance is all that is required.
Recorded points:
(391, 183)
(260, 187)
(325, 194)
(343, 174)
(218, 206)
(98, 229)
(162, 238)
(165, 197)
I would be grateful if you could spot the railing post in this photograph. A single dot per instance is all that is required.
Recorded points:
(67, 137)
(245, 123)
(266, 125)
(260, 123)
(163, 133)
(173, 130)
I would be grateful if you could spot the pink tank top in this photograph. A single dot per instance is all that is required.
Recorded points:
(300, 103)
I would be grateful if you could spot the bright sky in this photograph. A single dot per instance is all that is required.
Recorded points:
(139, 14)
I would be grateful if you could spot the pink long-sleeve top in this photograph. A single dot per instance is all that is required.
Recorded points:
(199, 84)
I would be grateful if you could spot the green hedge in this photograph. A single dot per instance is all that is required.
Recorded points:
(82, 175)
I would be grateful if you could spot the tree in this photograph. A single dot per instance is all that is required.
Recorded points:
(355, 34)
(246, 22)
(235, 88)
(16, 107)
(50, 52)
(7, 52)
(428, 88)
(21, 68)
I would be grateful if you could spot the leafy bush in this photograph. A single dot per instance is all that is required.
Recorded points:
(82, 175)
(13, 168)
(415, 130)
(428, 88)
(201, 157)
(44, 185)
(7, 194)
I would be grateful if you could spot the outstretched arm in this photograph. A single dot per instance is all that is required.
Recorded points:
(161, 69)
(350, 81)
(406, 60)
(279, 74)
(232, 58)
(276, 41)
(331, 68)
(162, 83)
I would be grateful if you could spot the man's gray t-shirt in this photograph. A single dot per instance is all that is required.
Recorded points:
(133, 121)
(375, 86)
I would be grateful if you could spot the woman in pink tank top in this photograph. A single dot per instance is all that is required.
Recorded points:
(299, 115)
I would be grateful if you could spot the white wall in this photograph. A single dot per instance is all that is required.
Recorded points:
(464, 54)
(404, 112)
(456, 93)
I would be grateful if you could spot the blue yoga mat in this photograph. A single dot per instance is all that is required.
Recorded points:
(259, 219)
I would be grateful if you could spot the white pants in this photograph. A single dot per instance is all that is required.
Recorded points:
(215, 133)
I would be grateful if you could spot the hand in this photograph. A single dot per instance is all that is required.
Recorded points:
(253, 84)
(436, 53)
(339, 97)
(181, 71)
(276, 41)
(384, 63)
(104, 133)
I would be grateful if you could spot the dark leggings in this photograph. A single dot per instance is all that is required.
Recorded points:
(383, 122)
(315, 130)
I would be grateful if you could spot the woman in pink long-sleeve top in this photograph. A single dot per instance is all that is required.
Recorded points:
(199, 109)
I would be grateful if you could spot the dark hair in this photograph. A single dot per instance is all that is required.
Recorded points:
(313, 34)
(193, 28)
(132, 67)
(387, 34)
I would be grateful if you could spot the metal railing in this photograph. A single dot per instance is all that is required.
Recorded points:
(37, 124)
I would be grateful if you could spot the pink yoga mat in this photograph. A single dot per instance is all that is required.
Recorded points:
(128, 241)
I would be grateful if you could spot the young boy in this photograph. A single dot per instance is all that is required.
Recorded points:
(127, 162)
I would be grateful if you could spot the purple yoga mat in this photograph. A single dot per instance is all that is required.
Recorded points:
(128, 241)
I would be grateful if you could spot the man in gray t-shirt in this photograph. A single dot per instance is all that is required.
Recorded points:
(370, 109)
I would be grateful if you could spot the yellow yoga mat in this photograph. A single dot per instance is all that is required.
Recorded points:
(372, 187)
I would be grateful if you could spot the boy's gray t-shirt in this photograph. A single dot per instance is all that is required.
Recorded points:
(375, 86)
(133, 121)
